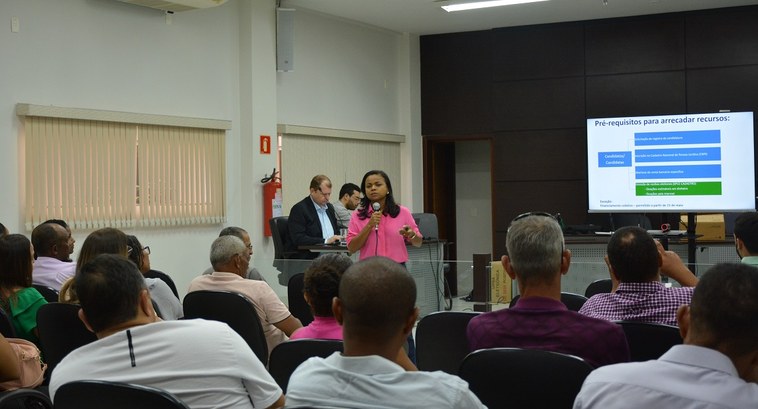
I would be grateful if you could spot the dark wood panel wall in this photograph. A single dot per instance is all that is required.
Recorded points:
(531, 88)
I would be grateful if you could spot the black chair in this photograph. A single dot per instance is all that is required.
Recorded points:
(630, 219)
(60, 332)
(297, 305)
(523, 378)
(601, 286)
(280, 235)
(6, 325)
(50, 293)
(441, 342)
(232, 308)
(573, 302)
(287, 356)
(25, 399)
(113, 395)
(648, 340)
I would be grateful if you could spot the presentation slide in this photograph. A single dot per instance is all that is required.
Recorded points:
(671, 163)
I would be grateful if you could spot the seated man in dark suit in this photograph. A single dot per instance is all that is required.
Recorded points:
(537, 259)
(312, 220)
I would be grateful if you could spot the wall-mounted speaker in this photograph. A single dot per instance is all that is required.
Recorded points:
(285, 39)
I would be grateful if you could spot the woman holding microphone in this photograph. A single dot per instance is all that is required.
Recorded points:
(381, 227)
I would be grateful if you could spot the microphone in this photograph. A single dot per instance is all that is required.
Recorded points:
(376, 206)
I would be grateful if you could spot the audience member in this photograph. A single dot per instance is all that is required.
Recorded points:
(715, 368)
(205, 364)
(636, 261)
(349, 199)
(8, 361)
(746, 237)
(537, 258)
(320, 285)
(18, 298)
(52, 267)
(252, 272)
(141, 257)
(71, 242)
(312, 220)
(113, 241)
(3, 230)
(230, 258)
(366, 375)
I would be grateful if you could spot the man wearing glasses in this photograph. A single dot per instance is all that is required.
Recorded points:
(537, 259)
(312, 220)
(242, 234)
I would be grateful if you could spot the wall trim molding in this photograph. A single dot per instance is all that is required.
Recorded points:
(23, 109)
(287, 129)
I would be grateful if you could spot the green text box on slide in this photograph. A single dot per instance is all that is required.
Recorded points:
(678, 189)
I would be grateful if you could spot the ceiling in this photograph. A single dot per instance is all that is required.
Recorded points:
(426, 17)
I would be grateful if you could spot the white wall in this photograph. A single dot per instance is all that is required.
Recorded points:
(351, 76)
(473, 199)
(114, 56)
(212, 63)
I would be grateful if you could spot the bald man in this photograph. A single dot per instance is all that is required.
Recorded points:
(367, 375)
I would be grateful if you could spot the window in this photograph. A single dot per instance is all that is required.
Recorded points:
(127, 170)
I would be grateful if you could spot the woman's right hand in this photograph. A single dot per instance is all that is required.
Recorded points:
(376, 217)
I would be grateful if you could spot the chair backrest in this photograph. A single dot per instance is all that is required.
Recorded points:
(630, 219)
(279, 234)
(113, 395)
(523, 378)
(6, 325)
(50, 293)
(297, 305)
(573, 302)
(60, 332)
(648, 340)
(232, 308)
(441, 342)
(288, 355)
(598, 287)
(25, 399)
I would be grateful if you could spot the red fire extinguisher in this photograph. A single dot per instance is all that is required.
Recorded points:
(272, 200)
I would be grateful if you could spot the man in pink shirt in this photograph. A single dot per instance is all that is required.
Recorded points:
(230, 259)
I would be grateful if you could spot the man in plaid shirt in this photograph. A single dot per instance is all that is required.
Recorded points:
(636, 262)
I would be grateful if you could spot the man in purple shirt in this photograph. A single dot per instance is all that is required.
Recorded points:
(537, 258)
(635, 262)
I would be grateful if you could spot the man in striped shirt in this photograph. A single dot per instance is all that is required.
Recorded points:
(636, 261)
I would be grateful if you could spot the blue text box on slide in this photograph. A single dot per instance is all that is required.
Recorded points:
(677, 137)
(614, 159)
(677, 155)
(678, 172)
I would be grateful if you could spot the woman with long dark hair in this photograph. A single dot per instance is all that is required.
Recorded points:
(18, 298)
(380, 226)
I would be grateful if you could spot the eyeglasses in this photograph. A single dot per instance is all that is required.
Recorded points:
(146, 249)
(527, 214)
(325, 194)
(129, 249)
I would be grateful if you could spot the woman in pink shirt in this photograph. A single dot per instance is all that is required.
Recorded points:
(320, 285)
(381, 227)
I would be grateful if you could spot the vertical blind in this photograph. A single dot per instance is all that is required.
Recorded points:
(96, 174)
